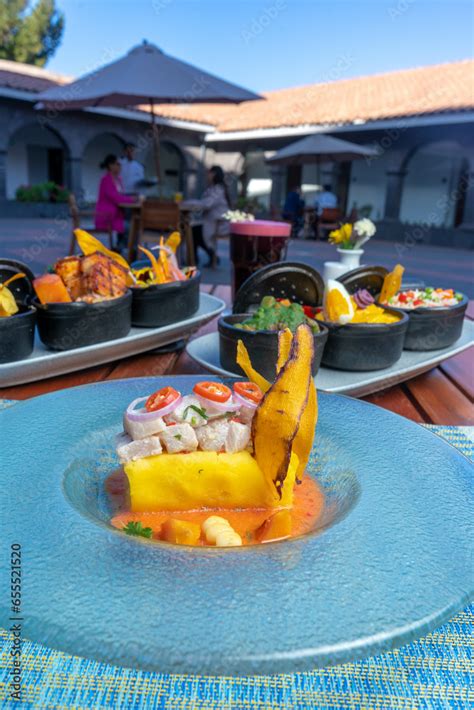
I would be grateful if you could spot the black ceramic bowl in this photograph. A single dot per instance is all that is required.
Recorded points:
(360, 347)
(434, 328)
(65, 326)
(262, 346)
(162, 304)
(17, 335)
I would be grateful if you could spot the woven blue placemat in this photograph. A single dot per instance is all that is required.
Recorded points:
(434, 672)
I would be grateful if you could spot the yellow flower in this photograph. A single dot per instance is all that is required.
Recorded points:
(341, 235)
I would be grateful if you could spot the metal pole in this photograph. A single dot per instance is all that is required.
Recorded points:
(156, 146)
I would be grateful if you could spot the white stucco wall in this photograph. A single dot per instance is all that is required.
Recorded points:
(429, 186)
(17, 168)
(368, 184)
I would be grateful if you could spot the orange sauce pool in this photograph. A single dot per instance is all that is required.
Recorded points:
(307, 508)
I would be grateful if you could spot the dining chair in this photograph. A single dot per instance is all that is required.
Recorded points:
(78, 217)
(158, 218)
(328, 220)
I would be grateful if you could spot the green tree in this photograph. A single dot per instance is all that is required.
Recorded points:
(30, 34)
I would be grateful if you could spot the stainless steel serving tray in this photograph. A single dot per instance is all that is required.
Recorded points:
(205, 350)
(43, 363)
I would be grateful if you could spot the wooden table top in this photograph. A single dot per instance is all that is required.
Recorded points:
(444, 395)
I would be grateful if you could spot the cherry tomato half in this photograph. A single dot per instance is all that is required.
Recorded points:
(214, 391)
(161, 398)
(249, 390)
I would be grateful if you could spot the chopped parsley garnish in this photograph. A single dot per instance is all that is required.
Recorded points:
(198, 410)
(178, 436)
(136, 528)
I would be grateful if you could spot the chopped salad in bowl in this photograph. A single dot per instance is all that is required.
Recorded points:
(426, 298)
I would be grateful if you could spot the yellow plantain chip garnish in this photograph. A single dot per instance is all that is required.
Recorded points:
(243, 360)
(278, 418)
(391, 284)
(303, 442)
(173, 241)
(155, 265)
(8, 304)
(285, 338)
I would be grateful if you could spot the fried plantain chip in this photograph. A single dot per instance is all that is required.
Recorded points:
(243, 360)
(278, 417)
(285, 338)
(155, 265)
(173, 241)
(303, 441)
(391, 283)
(8, 305)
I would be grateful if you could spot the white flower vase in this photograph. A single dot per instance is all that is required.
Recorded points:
(349, 259)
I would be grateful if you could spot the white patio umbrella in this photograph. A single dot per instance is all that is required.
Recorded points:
(144, 75)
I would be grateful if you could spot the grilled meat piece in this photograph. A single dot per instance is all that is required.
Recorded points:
(69, 270)
(103, 276)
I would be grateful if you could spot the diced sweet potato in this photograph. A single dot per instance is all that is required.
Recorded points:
(276, 527)
(50, 288)
(180, 532)
(69, 269)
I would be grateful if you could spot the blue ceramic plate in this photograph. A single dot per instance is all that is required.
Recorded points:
(389, 562)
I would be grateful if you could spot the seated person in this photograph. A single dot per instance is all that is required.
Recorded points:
(294, 207)
(326, 199)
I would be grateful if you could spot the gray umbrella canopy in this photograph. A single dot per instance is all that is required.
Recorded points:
(144, 75)
(319, 148)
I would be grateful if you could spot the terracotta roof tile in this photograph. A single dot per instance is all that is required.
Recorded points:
(25, 77)
(410, 92)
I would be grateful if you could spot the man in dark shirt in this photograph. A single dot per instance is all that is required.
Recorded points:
(293, 209)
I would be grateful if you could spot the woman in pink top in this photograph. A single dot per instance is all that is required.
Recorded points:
(108, 213)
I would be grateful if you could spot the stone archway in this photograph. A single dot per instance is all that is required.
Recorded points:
(94, 153)
(431, 188)
(35, 154)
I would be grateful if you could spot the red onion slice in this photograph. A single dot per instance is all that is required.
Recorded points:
(228, 406)
(141, 415)
(244, 402)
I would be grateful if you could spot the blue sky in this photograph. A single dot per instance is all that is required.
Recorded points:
(270, 44)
